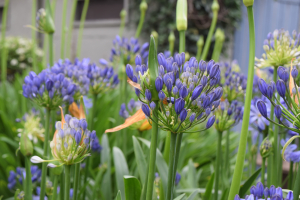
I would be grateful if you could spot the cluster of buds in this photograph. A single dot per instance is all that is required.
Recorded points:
(102, 79)
(132, 107)
(228, 115)
(233, 82)
(127, 49)
(48, 89)
(259, 191)
(17, 178)
(280, 49)
(75, 72)
(286, 107)
(186, 92)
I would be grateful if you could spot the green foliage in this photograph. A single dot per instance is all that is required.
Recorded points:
(246, 186)
(132, 188)
(199, 20)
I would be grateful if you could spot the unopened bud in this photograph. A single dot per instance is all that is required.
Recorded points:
(200, 42)
(181, 15)
(26, 146)
(123, 14)
(248, 2)
(215, 6)
(266, 148)
(143, 6)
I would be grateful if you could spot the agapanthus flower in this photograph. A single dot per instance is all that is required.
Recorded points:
(280, 48)
(48, 89)
(44, 22)
(228, 114)
(75, 72)
(126, 49)
(31, 126)
(290, 154)
(261, 192)
(187, 92)
(101, 79)
(257, 121)
(286, 103)
(17, 178)
(233, 82)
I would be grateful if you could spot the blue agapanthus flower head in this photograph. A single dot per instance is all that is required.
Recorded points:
(49, 89)
(290, 154)
(95, 145)
(17, 177)
(75, 72)
(187, 92)
(101, 79)
(260, 192)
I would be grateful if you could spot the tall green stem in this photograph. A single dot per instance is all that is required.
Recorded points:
(237, 175)
(269, 170)
(76, 180)
(177, 152)
(210, 34)
(152, 154)
(62, 186)
(167, 147)
(63, 29)
(46, 144)
(45, 50)
(290, 175)
(28, 183)
(218, 165)
(171, 166)
(50, 43)
(4, 53)
(141, 22)
(70, 29)
(81, 26)
(67, 182)
(296, 190)
(217, 50)
(55, 184)
(33, 36)
(263, 171)
(181, 41)
(227, 152)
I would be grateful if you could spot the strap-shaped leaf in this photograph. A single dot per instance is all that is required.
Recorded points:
(244, 188)
(132, 188)
(209, 187)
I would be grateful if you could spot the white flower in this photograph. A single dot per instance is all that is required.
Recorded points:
(36, 159)
(14, 62)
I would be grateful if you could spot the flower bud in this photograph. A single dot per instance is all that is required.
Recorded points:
(26, 146)
(215, 6)
(181, 15)
(171, 37)
(266, 148)
(44, 21)
(123, 14)
(200, 42)
(143, 6)
(248, 2)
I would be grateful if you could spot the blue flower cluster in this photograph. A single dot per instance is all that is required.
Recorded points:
(285, 108)
(18, 176)
(48, 89)
(258, 192)
(228, 115)
(187, 91)
(132, 107)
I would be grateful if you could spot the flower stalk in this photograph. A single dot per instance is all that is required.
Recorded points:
(55, 184)
(171, 39)
(218, 164)
(76, 180)
(297, 184)
(220, 37)
(123, 20)
(200, 44)
(63, 29)
(171, 163)
(67, 182)
(237, 176)
(81, 26)
(215, 8)
(143, 9)
(33, 36)
(70, 29)
(28, 182)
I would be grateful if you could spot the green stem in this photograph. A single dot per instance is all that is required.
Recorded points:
(291, 176)
(86, 169)
(178, 145)
(28, 188)
(199, 51)
(171, 47)
(63, 29)
(45, 50)
(76, 180)
(210, 34)
(296, 190)
(91, 123)
(217, 50)
(70, 30)
(140, 26)
(237, 175)
(33, 36)
(50, 43)
(274, 179)
(181, 41)
(62, 191)
(167, 147)
(55, 184)
(269, 170)
(67, 182)
(44, 165)
(171, 178)
(263, 171)
(98, 182)
(122, 25)
(253, 162)
(81, 26)
(227, 152)
(152, 154)
(218, 164)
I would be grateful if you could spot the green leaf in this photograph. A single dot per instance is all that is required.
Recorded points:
(225, 194)
(179, 197)
(153, 67)
(193, 195)
(118, 197)
(245, 187)
(9, 141)
(140, 159)
(160, 164)
(121, 169)
(132, 188)
(105, 160)
(209, 187)
(191, 176)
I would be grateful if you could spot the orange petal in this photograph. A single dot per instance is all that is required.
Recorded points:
(62, 117)
(145, 126)
(165, 101)
(258, 73)
(77, 112)
(136, 85)
(138, 116)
